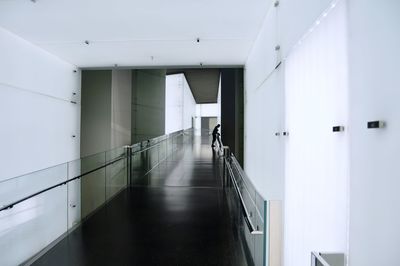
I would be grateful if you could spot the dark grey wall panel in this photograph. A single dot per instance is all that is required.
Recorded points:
(204, 84)
(95, 111)
(232, 110)
(148, 104)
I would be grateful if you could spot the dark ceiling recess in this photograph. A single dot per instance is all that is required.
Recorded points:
(203, 83)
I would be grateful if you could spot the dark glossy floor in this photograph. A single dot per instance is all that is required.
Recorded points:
(176, 215)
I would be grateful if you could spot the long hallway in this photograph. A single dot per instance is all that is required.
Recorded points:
(175, 215)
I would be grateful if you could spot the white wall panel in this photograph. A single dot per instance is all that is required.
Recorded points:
(180, 105)
(263, 57)
(375, 170)
(264, 149)
(32, 225)
(295, 18)
(210, 109)
(317, 168)
(173, 103)
(26, 66)
(189, 105)
(37, 124)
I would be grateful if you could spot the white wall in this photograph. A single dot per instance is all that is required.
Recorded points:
(38, 121)
(375, 170)
(189, 105)
(265, 121)
(180, 105)
(316, 159)
(341, 189)
(37, 117)
(208, 110)
(173, 103)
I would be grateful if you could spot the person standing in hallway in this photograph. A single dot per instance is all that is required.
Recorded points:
(216, 136)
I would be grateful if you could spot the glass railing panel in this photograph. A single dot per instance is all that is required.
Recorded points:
(162, 150)
(146, 155)
(244, 180)
(69, 193)
(144, 144)
(74, 193)
(170, 146)
(116, 172)
(31, 225)
(247, 195)
(91, 162)
(260, 240)
(20, 187)
(74, 201)
(153, 157)
(93, 185)
(135, 148)
(115, 154)
(138, 166)
(253, 208)
(92, 191)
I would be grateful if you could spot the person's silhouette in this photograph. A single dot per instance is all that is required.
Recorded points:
(216, 135)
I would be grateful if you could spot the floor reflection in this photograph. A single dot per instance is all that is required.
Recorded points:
(175, 215)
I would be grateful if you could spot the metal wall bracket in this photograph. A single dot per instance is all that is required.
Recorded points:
(338, 128)
(376, 124)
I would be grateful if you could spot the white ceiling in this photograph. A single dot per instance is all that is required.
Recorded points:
(138, 32)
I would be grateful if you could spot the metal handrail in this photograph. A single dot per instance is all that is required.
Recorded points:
(243, 174)
(11, 205)
(253, 230)
(154, 145)
(246, 181)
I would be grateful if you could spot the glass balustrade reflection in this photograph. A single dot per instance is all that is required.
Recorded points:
(252, 216)
(24, 226)
(40, 207)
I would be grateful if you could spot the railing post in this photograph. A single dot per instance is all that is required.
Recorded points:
(128, 152)
(226, 154)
